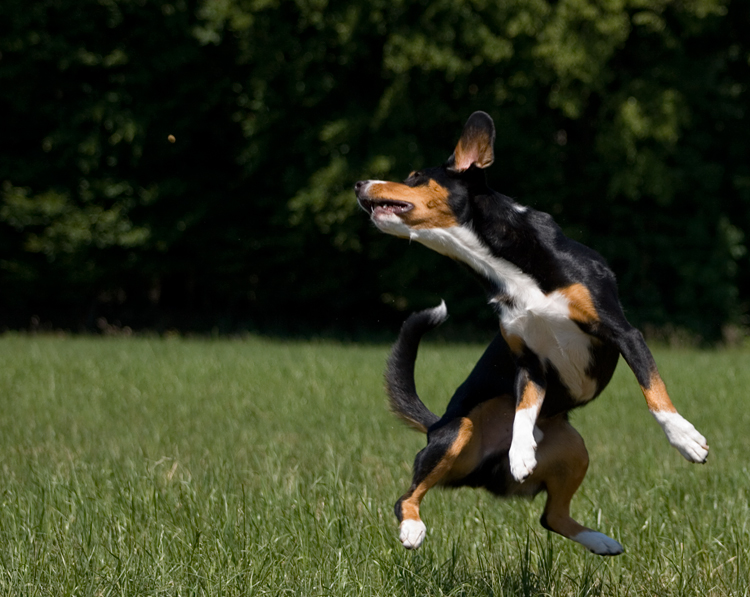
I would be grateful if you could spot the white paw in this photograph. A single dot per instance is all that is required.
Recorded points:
(412, 533)
(683, 436)
(599, 543)
(522, 458)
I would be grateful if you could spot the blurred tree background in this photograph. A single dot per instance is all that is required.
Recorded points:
(627, 120)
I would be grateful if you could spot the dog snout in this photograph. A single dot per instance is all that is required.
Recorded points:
(359, 186)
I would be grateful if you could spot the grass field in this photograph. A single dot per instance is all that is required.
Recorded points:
(260, 467)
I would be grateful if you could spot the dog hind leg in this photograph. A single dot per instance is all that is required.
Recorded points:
(431, 466)
(562, 464)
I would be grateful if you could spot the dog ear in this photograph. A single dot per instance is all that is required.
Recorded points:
(475, 147)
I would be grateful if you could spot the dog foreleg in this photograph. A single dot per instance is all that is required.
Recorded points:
(530, 395)
(679, 431)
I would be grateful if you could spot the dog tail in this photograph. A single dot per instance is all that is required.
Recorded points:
(399, 372)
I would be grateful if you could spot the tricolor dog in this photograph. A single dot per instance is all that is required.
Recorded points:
(562, 330)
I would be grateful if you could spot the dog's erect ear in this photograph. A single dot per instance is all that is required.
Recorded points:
(475, 147)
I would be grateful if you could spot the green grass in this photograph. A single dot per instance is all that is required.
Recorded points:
(258, 467)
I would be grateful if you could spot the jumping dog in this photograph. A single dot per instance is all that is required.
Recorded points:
(562, 329)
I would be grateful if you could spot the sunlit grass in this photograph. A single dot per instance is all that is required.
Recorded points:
(259, 467)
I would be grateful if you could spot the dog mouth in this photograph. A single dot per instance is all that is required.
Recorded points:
(382, 207)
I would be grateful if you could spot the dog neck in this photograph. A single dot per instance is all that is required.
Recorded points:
(500, 241)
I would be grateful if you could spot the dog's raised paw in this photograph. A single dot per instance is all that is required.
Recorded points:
(522, 459)
(599, 543)
(684, 436)
(412, 533)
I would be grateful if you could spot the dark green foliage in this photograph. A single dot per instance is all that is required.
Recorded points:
(626, 120)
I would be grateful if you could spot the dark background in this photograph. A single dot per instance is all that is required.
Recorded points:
(628, 121)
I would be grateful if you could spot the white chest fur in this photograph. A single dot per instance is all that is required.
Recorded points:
(545, 327)
(541, 320)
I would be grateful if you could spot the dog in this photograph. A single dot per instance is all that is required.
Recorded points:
(562, 330)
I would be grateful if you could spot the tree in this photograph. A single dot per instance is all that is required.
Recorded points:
(626, 120)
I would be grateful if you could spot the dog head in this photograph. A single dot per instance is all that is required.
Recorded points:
(435, 198)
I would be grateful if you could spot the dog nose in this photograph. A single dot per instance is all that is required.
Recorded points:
(359, 185)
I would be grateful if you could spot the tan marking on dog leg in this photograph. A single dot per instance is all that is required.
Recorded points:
(531, 397)
(409, 510)
(656, 395)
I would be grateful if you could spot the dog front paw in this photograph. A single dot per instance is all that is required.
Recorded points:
(522, 459)
(412, 533)
(684, 436)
